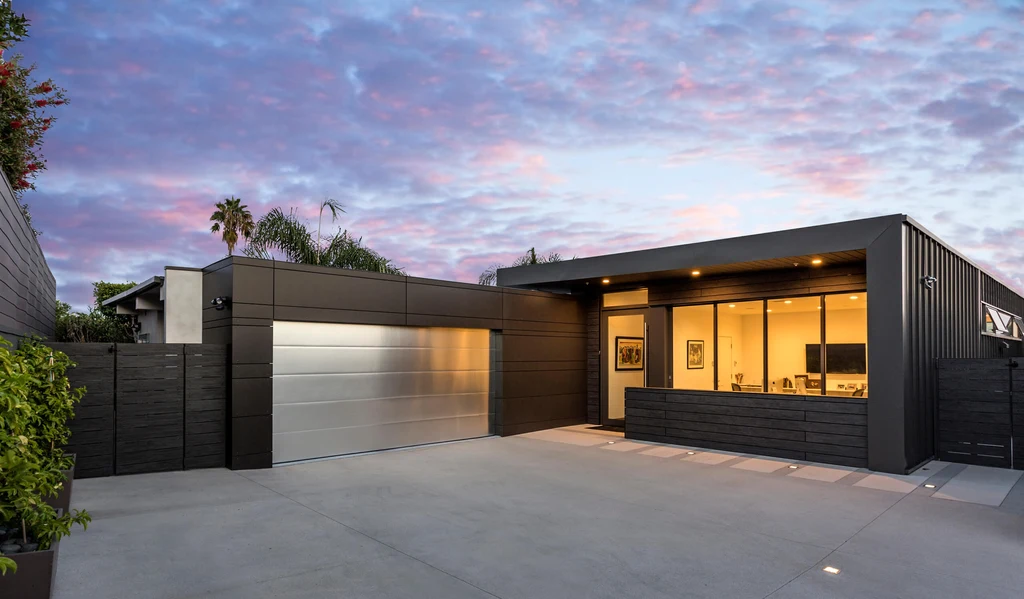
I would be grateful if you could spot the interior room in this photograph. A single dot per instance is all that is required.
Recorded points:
(795, 327)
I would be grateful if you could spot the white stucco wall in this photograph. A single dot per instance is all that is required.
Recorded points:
(183, 305)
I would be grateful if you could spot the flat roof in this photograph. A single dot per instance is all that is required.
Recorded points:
(142, 287)
(836, 243)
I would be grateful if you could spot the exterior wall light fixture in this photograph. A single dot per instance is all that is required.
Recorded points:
(219, 303)
(929, 281)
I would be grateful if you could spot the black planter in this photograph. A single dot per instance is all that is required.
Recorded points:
(35, 576)
(62, 501)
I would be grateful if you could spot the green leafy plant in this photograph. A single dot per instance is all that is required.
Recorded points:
(7, 565)
(288, 236)
(36, 404)
(101, 324)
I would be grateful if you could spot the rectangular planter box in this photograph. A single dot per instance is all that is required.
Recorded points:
(35, 577)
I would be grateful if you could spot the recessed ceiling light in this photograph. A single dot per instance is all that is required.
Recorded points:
(819, 307)
(695, 273)
(816, 261)
(769, 309)
(831, 569)
(732, 305)
(929, 486)
(788, 302)
(853, 297)
(793, 466)
(605, 281)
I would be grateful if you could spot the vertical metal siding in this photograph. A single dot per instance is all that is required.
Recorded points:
(942, 323)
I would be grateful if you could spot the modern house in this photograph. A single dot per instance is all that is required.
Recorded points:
(166, 309)
(815, 344)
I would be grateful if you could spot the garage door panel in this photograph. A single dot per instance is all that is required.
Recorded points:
(311, 388)
(322, 360)
(289, 447)
(372, 336)
(342, 388)
(290, 418)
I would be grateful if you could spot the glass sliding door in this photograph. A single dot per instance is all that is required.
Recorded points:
(740, 362)
(693, 347)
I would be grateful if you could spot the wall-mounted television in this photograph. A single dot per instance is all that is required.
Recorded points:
(842, 358)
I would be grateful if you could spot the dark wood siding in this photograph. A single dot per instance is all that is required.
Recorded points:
(92, 429)
(150, 408)
(802, 280)
(981, 406)
(594, 360)
(831, 430)
(28, 291)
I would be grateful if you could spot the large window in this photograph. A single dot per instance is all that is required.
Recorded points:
(794, 345)
(741, 346)
(846, 344)
(800, 361)
(693, 346)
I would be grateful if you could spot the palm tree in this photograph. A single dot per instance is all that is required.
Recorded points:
(289, 236)
(233, 219)
(490, 276)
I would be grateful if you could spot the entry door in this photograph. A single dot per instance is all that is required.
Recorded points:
(624, 360)
(347, 388)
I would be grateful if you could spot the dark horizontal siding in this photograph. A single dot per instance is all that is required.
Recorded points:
(28, 291)
(981, 405)
(821, 429)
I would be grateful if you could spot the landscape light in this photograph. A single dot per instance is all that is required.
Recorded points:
(831, 569)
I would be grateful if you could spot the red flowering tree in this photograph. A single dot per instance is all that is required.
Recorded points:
(25, 107)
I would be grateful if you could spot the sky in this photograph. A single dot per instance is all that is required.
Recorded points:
(460, 134)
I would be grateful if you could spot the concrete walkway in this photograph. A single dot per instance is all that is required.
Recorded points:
(525, 517)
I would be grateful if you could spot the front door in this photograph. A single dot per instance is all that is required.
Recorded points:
(624, 360)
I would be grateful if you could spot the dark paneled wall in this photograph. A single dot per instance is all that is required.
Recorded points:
(593, 360)
(981, 405)
(28, 291)
(540, 358)
(147, 407)
(92, 430)
(832, 430)
(766, 284)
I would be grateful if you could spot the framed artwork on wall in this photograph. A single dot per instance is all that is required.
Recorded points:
(629, 353)
(694, 354)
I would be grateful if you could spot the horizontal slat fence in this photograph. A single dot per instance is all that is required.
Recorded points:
(148, 407)
(832, 430)
(981, 417)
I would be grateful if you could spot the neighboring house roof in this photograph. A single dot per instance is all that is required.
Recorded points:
(147, 285)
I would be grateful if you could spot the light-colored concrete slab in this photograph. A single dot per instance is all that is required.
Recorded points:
(898, 483)
(710, 457)
(760, 465)
(663, 451)
(623, 446)
(980, 484)
(569, 438)
(827, 474)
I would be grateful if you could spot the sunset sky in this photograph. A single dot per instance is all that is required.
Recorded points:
(459, 134)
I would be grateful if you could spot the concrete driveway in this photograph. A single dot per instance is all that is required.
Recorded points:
(567, 513)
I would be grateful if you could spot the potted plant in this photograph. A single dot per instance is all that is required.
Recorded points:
(34, 396)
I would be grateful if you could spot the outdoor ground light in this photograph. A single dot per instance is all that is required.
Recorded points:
(220, 302)
(929, 486)
(831, 569)
(793, 466)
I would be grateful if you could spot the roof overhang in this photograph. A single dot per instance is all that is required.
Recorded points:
(150, 285)
(838, 242)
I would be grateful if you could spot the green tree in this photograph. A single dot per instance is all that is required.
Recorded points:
(232, 220)
(101, 324)
(290, 237)
(490, 276)
(24, 110)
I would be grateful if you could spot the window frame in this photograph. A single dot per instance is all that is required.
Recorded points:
(764, 312)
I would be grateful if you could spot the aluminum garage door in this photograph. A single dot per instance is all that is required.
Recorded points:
(341, 388)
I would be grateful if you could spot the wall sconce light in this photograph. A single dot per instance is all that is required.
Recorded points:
(929, 281)
(219, 303)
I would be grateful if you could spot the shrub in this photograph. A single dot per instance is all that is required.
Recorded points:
(36, 404)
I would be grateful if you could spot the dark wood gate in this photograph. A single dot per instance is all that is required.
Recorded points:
(981, 418)
(148, 407)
